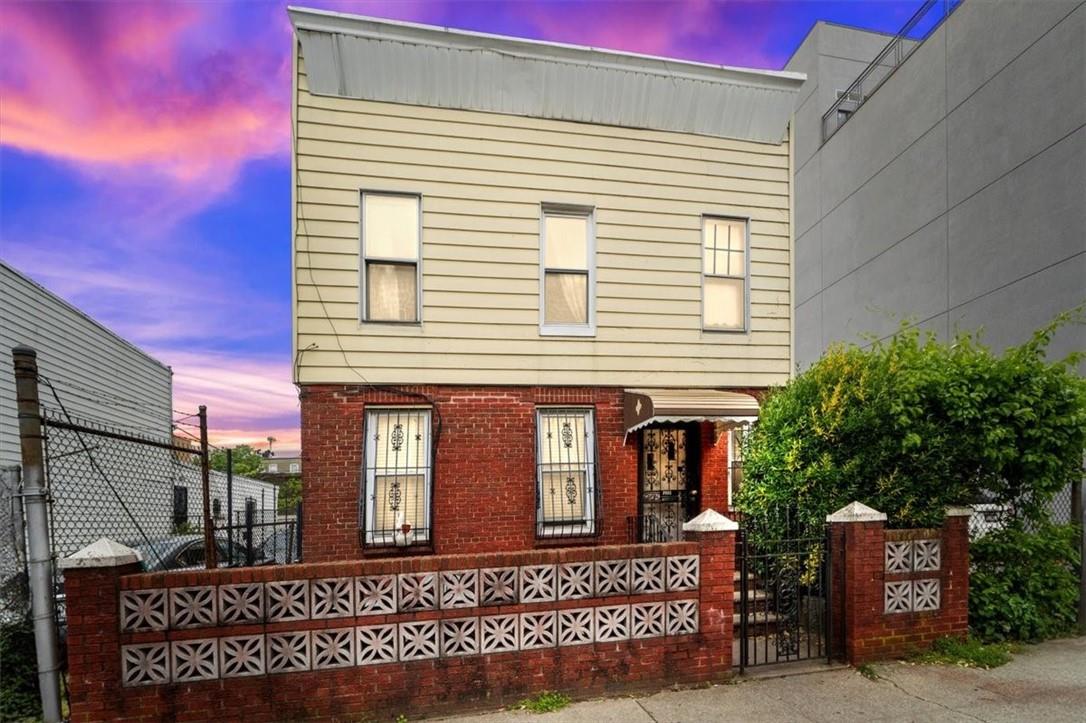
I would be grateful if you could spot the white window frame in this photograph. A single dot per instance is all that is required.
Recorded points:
(295, 467)
(547, 530)
(745, 429)
(745, 278)
(370, 477)
(588, 212)
(363, 311)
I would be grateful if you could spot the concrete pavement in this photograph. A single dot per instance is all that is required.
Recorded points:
(1045, 682)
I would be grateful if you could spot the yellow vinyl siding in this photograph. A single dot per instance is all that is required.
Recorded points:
(482, 178)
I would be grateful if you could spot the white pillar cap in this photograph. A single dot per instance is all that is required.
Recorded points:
(103, 553)
(959, 511)
(856, 512)
(710, 521)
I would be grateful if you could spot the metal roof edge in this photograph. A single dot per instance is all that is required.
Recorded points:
(72, 307)
(327, 21)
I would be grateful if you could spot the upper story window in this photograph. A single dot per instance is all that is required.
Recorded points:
(390, 257)
(566, 489)
(273, 467)
(295, 467)
(568, 271)
(725, 268)
(395, 504)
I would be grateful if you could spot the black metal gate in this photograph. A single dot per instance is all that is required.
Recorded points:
(783, 610)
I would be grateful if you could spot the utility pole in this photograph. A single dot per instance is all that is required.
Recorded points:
(39, 552)
(210, 556)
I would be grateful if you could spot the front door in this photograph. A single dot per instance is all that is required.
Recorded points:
(669, 482)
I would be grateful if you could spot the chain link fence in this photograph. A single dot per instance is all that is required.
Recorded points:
(148, 493)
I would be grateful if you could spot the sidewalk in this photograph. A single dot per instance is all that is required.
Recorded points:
(1045, 682)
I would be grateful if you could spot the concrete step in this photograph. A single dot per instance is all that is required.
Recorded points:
(754, 594)
(759, 619)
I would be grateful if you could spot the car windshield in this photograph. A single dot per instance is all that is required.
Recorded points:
(156, 550)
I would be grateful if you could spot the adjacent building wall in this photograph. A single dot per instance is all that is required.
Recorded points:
(954, 196)
(97, 374)
(482, 177)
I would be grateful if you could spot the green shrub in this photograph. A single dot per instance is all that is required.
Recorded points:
(1023, 585)
(18, 671)
(910, 425)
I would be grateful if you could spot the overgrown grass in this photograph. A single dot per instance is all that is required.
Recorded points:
(545, 702)
(967, 653)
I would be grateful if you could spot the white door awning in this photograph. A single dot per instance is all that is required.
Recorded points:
(642, 407)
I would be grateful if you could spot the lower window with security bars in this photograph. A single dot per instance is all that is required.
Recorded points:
(567, 489)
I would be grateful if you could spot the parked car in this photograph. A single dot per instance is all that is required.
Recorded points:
(186, 552)
(280, 548)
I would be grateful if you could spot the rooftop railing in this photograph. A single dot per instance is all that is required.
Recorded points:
(919, 27)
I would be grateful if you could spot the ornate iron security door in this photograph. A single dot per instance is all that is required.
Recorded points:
(668, 474)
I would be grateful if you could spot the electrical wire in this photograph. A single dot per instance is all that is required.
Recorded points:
(94, 464)
(302, 233)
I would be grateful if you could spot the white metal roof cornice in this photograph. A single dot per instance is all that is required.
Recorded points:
(359, 57)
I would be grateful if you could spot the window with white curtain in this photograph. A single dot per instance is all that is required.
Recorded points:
(725, 260)
(390, 257)
(568, 271)
(395, 505)
(566, 490)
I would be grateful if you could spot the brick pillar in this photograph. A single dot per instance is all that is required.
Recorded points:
(883, 610)
(956, 570)
(857, 536)
(715, 535)
(92, 592)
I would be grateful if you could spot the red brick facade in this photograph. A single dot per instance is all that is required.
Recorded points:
(484, 480)
(863, 630)
(386, 690)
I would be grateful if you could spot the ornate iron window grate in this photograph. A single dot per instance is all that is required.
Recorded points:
(395, 505)
(567, 491)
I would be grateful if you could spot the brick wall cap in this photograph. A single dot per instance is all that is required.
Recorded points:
(856, 512)
(710, 521)
(102, 553)
(959, 511)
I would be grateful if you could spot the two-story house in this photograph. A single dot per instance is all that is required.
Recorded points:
(537, 287)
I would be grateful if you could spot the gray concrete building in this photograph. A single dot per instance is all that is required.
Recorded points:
(953, 195)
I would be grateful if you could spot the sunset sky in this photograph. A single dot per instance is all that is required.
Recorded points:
(145, 168)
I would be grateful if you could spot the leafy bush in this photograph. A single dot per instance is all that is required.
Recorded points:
(1024, 585)
(910, 425)
(19, 679)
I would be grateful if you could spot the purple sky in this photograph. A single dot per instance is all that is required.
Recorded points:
(144, 160)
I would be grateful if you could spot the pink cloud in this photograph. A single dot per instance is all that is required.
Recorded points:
(139, 88)
(248, 399)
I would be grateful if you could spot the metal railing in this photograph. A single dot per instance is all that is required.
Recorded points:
(930, 15)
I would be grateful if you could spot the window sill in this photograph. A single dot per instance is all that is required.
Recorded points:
(579, 541)
(382, 551)
(567, 331)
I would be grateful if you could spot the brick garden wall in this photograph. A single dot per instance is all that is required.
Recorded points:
(405, 635)
(896, 591)
(484, 483)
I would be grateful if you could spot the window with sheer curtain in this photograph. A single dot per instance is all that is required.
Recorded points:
(724, 268)
(568, 270)
(390, 257)
(395, 505)
(566, 472)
